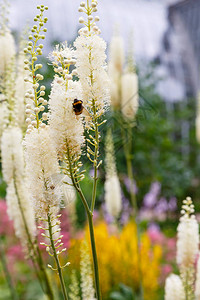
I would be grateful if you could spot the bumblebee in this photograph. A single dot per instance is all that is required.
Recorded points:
(78, 107)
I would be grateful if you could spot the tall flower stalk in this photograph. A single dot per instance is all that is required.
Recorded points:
(184, 286)
(90, 54)
(41, 157)
(17, 195)
(92, 94)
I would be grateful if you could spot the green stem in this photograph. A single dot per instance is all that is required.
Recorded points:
(62, 282)
(90, 222)
(7, 274)
(35, 257)
(95, 163)
(49, 290)
(94, 256)
(186, 287)
(92, 240)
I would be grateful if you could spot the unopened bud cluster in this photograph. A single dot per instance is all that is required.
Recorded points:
(90, 21)
(187, 208)
(35, 101)
(63, 60)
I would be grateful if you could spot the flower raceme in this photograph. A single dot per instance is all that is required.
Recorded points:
(62, 137)
(18, 196)
(187, 250)
(90, 63)
(174, 288)
(188, 236)
(65, 128)
(124, 80)
(112, 185)
(41, 165)
(115, 68)
(7, 49)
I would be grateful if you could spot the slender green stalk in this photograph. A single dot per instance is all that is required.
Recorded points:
(59, 269)
(95, 164)
(49, 290)
(7, 274)
(94, 256)
(93, 246)
(90, 222)
(34, 257)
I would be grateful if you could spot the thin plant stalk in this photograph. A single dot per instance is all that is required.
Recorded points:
(95, 160)
(59, 268)
(91, 228)
(93, 246)
(36, 256)
(7, 274)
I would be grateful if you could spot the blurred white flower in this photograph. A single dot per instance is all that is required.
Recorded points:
(129, 101)
(87, 289)
(188, 236)
(116, 54)
(112, 185)
(113, 195)
(7, 50)
(174, 289)
(17, 192)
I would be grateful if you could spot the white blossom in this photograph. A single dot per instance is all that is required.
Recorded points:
(112, 185)
(174, 289)
(87, 288)
(74, 287)
(113, 195)
(66, 129)
(12, 154)
(115, 69)
(4, 113)
(188, 237)
(14, 201)
(7, 50)
(62, 53)
(129, 100)
(17, 193)
(41, 165)
(116, 53)
(90, 55)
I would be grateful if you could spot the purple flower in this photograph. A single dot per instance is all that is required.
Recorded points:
(172, 204)
(131, 186)
(162, 206)
(150, 198)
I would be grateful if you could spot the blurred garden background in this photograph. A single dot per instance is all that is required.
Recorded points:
(161, 43)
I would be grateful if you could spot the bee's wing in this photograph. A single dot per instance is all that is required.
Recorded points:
(66, 189)
(86, 112)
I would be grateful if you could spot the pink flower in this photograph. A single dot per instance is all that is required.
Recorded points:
(166, 269)
(15, 252)
(6, 225)
(155, 234)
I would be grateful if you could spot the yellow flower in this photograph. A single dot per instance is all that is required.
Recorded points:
(118, 259)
